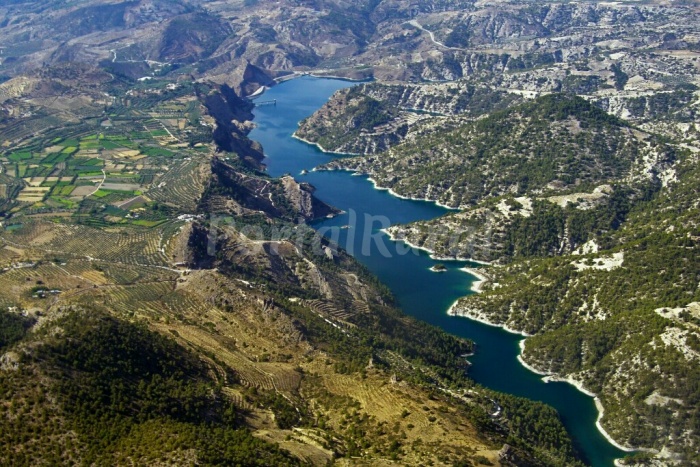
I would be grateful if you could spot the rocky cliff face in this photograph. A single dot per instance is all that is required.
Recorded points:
(230, 112)
(239, 192)
(371, 118)
(255, 78)
(301, 197)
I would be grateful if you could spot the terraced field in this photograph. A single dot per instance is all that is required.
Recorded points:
(330, 311)
(129, 246)
(241, 338)
(384, 404)
(181, 185)
(37, 285)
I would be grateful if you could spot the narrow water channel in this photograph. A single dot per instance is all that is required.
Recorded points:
(421, 293)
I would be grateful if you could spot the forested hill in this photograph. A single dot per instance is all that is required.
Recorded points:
(620, 315)
(346, 121)
(556, 140)
(594, 226)
(178, 312)
(372, 117)
(161, 301)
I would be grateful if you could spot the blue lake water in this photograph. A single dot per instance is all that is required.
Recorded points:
(420, 292)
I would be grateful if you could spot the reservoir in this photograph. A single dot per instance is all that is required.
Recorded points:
(420, 292)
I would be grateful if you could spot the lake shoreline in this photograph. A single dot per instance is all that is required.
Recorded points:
(555, 378)
(476, 287)
(372, 180)
(431, 253)
(594, 442)
(321, 148)
(481, 281)
(481, 319)
(547, 376)
(412, 198)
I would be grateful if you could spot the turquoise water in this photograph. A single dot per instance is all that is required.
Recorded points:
(421, 293)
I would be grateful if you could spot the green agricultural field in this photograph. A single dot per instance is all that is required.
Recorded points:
(66, 190)
(147, 223)
(41, 171)
(65, 203)
(56, 158)
(19, 156)
(157, 152)
(69, 153)
(89, 144)
(103, 193)
(93, 161)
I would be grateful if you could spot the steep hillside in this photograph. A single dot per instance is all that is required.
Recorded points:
(263, 329)
(86, 387)
(619, 316)
(352, 123)
(230, 111)
(498, 230)
(594, 225)
(555, 142)
(162, 300)
(238, 191)
(371, 118)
